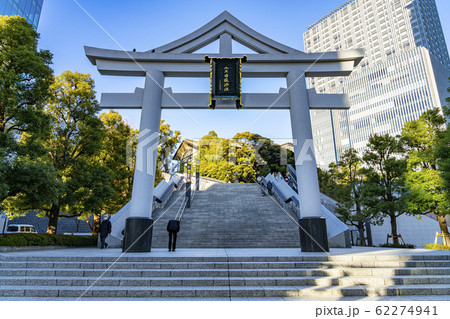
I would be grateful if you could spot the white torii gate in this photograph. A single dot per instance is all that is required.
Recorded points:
(178, 59)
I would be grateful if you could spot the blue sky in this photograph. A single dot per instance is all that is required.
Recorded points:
(65, 28)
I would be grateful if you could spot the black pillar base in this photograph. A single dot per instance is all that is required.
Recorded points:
(315, 227)
(138, 235)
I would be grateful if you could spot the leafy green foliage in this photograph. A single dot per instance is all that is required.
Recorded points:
(118, 147)
(20, 240)
(25, 77)
(384, 186)
(328, 184)
(241, 157)
(437, 247)
(167, 141)
(423, 179)
(443, 154)
(268, 156)
(350, 175)
(84, 183)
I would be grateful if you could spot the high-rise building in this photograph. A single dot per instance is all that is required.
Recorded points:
(29, 9)
(404, 73)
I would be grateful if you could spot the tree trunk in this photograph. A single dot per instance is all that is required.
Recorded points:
(53, 218)
(361, 233)
(166, 166)
(96, 224)
(394, 229)
(444, 229)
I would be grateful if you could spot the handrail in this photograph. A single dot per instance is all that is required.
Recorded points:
(181, 209)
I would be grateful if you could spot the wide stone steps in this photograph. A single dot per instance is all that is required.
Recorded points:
(224, 273)
(215, 292)
(229, 216)
(223, 265)
(222, 277)
(221, 281)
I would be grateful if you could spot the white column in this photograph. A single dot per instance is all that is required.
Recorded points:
(305, 161)
(144, 173)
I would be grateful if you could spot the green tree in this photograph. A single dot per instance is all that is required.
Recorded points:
(25, 76)
(268, 156)
(423, 179)
(167, 142)
(216, 158)
(117, 153)
(443, 153)
(327, 183)
(384, 185)
(350, 176)
(84, 184)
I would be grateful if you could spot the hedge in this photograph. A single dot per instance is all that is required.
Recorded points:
(397, 246)
(437, 247)
(17, 240)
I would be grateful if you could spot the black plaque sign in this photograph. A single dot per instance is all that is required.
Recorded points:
(225, 79)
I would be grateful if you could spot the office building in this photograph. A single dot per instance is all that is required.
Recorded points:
(29, 9)
(404, 73)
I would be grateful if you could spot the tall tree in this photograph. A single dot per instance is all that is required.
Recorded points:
(351, 178)
(116, 153)
(423, 179)
(25, 77)
(384, 186)
(443, 152)
(84, 184)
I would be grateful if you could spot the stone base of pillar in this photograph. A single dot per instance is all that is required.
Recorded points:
(138, 235)
(315, 227)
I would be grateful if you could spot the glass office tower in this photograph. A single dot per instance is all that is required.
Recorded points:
(404, 73)
(29, 9)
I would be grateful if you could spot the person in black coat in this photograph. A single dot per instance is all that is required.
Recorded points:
(105, 230)
(173, 227)
(269, 187)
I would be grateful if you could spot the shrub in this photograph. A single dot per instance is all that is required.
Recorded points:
(437, 247)
(47, 240)
(397, 246)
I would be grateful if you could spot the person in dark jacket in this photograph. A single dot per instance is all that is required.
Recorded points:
(263, 189)
(173, 227)
(269, 187)
(105, 230)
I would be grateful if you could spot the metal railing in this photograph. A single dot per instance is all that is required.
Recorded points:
(182, 207)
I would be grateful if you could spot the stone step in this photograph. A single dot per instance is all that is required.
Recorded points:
(225, 272)
(229, 216)
(224, 265)
(219, 291)
(223, 281)
(244, 258)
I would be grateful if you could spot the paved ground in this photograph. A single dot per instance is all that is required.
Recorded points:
(230, 252)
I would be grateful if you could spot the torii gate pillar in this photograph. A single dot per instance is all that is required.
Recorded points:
(139, 226)
(311, 220)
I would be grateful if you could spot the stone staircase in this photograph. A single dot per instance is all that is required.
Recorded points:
(313, 276)
(229, 216)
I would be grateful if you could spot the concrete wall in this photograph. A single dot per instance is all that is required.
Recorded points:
(413, 231)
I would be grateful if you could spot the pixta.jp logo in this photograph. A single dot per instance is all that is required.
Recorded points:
(146, 151)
